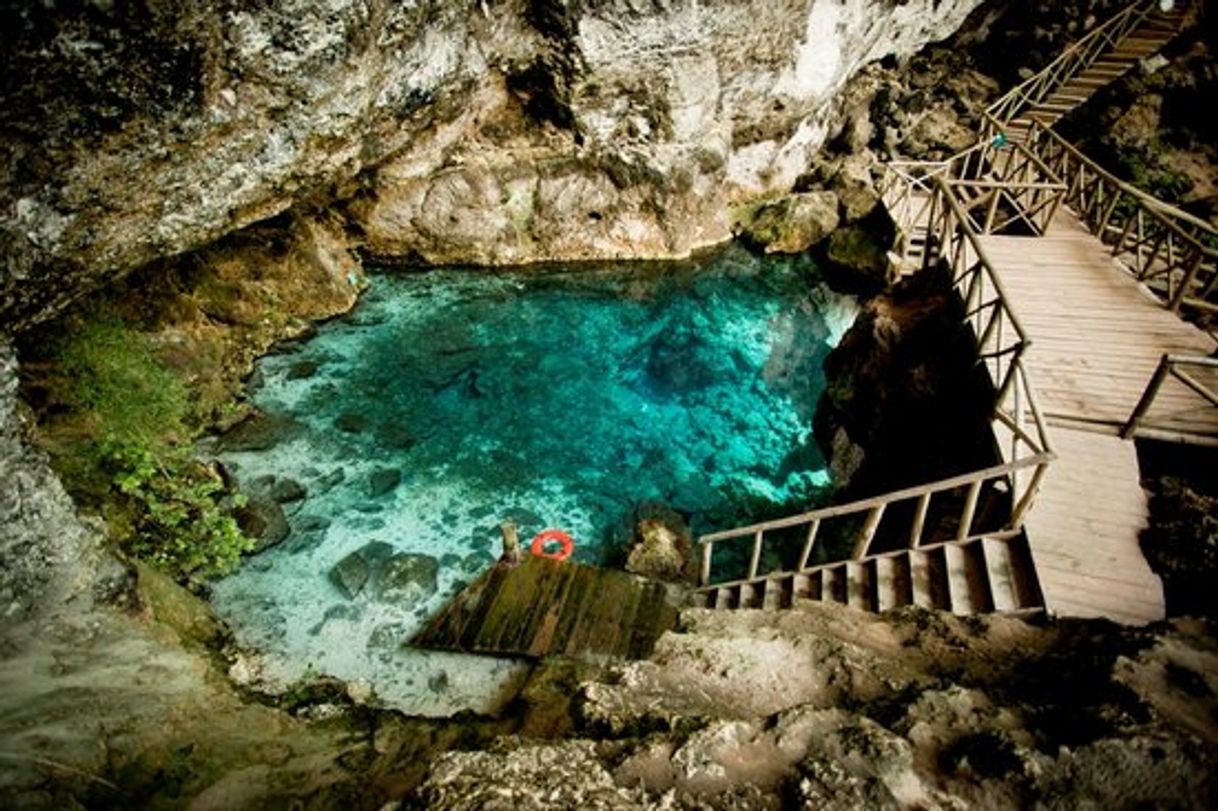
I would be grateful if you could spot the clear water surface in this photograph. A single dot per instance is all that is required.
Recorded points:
(452, 400)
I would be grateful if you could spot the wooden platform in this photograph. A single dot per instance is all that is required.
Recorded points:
(1097, 334)
(1096, 339)
(543, 607)
(1084, 528)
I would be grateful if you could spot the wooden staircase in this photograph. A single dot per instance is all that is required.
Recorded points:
(1155, 30)
(932, 202)
(971, 577)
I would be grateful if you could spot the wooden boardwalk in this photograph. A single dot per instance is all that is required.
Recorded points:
(1096, 338)
(1084, 531)
(1097, 334)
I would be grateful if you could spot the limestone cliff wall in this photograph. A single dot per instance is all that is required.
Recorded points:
(486, 132)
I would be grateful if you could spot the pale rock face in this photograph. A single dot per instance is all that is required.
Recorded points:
(495, 133)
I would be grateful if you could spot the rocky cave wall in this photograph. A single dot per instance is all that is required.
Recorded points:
(491, 132)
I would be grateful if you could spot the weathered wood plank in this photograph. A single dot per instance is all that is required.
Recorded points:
(542, 607)
(1096, 333)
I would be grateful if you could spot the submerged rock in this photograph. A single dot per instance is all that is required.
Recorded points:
(350, 574)
(406, 579)
(383, 481)
(350, 423)
(302, 369)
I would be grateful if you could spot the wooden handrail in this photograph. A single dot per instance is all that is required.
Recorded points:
(1153, 239)
(867, 504)
(954, 237)
(1076, 58)
(1170, 365)
(1167, 209)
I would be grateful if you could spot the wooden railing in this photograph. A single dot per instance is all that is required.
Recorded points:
(1075, 59)
(1139, 423)
(1171, 251)
(1000, 185)
(1024, 446)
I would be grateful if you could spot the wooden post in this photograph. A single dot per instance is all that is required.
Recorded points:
(511, 544)
(1025, 501)
(868, 531)
(1185, 283)
(919, 521)
(1148, 396)
(704, 569)
(808, 543)
(970, 507)
(755, 561)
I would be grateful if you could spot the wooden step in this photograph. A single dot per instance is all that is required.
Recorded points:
(890, 578)
(959, 591)
(801, 587)
(748, 595)
(978, 580)
(724, 598)
(858, 585)
(1023, 570)
(816, 586)
(835, 578)
(921, 580)
(999, 574)
(772, 593)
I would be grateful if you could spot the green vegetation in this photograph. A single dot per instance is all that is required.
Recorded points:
(129, 451)
(111, 373)
(177, 519)
(1146, 169)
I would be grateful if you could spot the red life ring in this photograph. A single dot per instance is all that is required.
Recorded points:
(566, 545)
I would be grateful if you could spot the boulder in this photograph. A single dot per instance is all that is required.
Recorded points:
(792, 223)
(855, 187)
(286, 490)
(263, 520)
(938, 134)
(350, 574)
(406, 579)
(662, 547)
(383, 481)
(859, 260)
(259, 432)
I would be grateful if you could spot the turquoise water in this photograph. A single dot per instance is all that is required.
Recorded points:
(452, 400)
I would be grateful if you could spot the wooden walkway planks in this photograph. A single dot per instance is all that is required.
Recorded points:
(1084, 530)
(543, 607)
(1097, 334)
(1096, 338)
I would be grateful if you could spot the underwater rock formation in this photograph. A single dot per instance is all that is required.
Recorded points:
(491, 133)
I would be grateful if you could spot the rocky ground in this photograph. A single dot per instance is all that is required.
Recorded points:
(827, 707)
(170, 145)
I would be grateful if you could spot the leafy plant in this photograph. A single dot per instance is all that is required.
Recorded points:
(128, 451)
(177, 521)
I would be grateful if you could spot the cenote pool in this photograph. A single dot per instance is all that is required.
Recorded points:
(452, 400)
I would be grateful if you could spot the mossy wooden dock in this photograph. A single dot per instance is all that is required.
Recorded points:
(541, 607)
